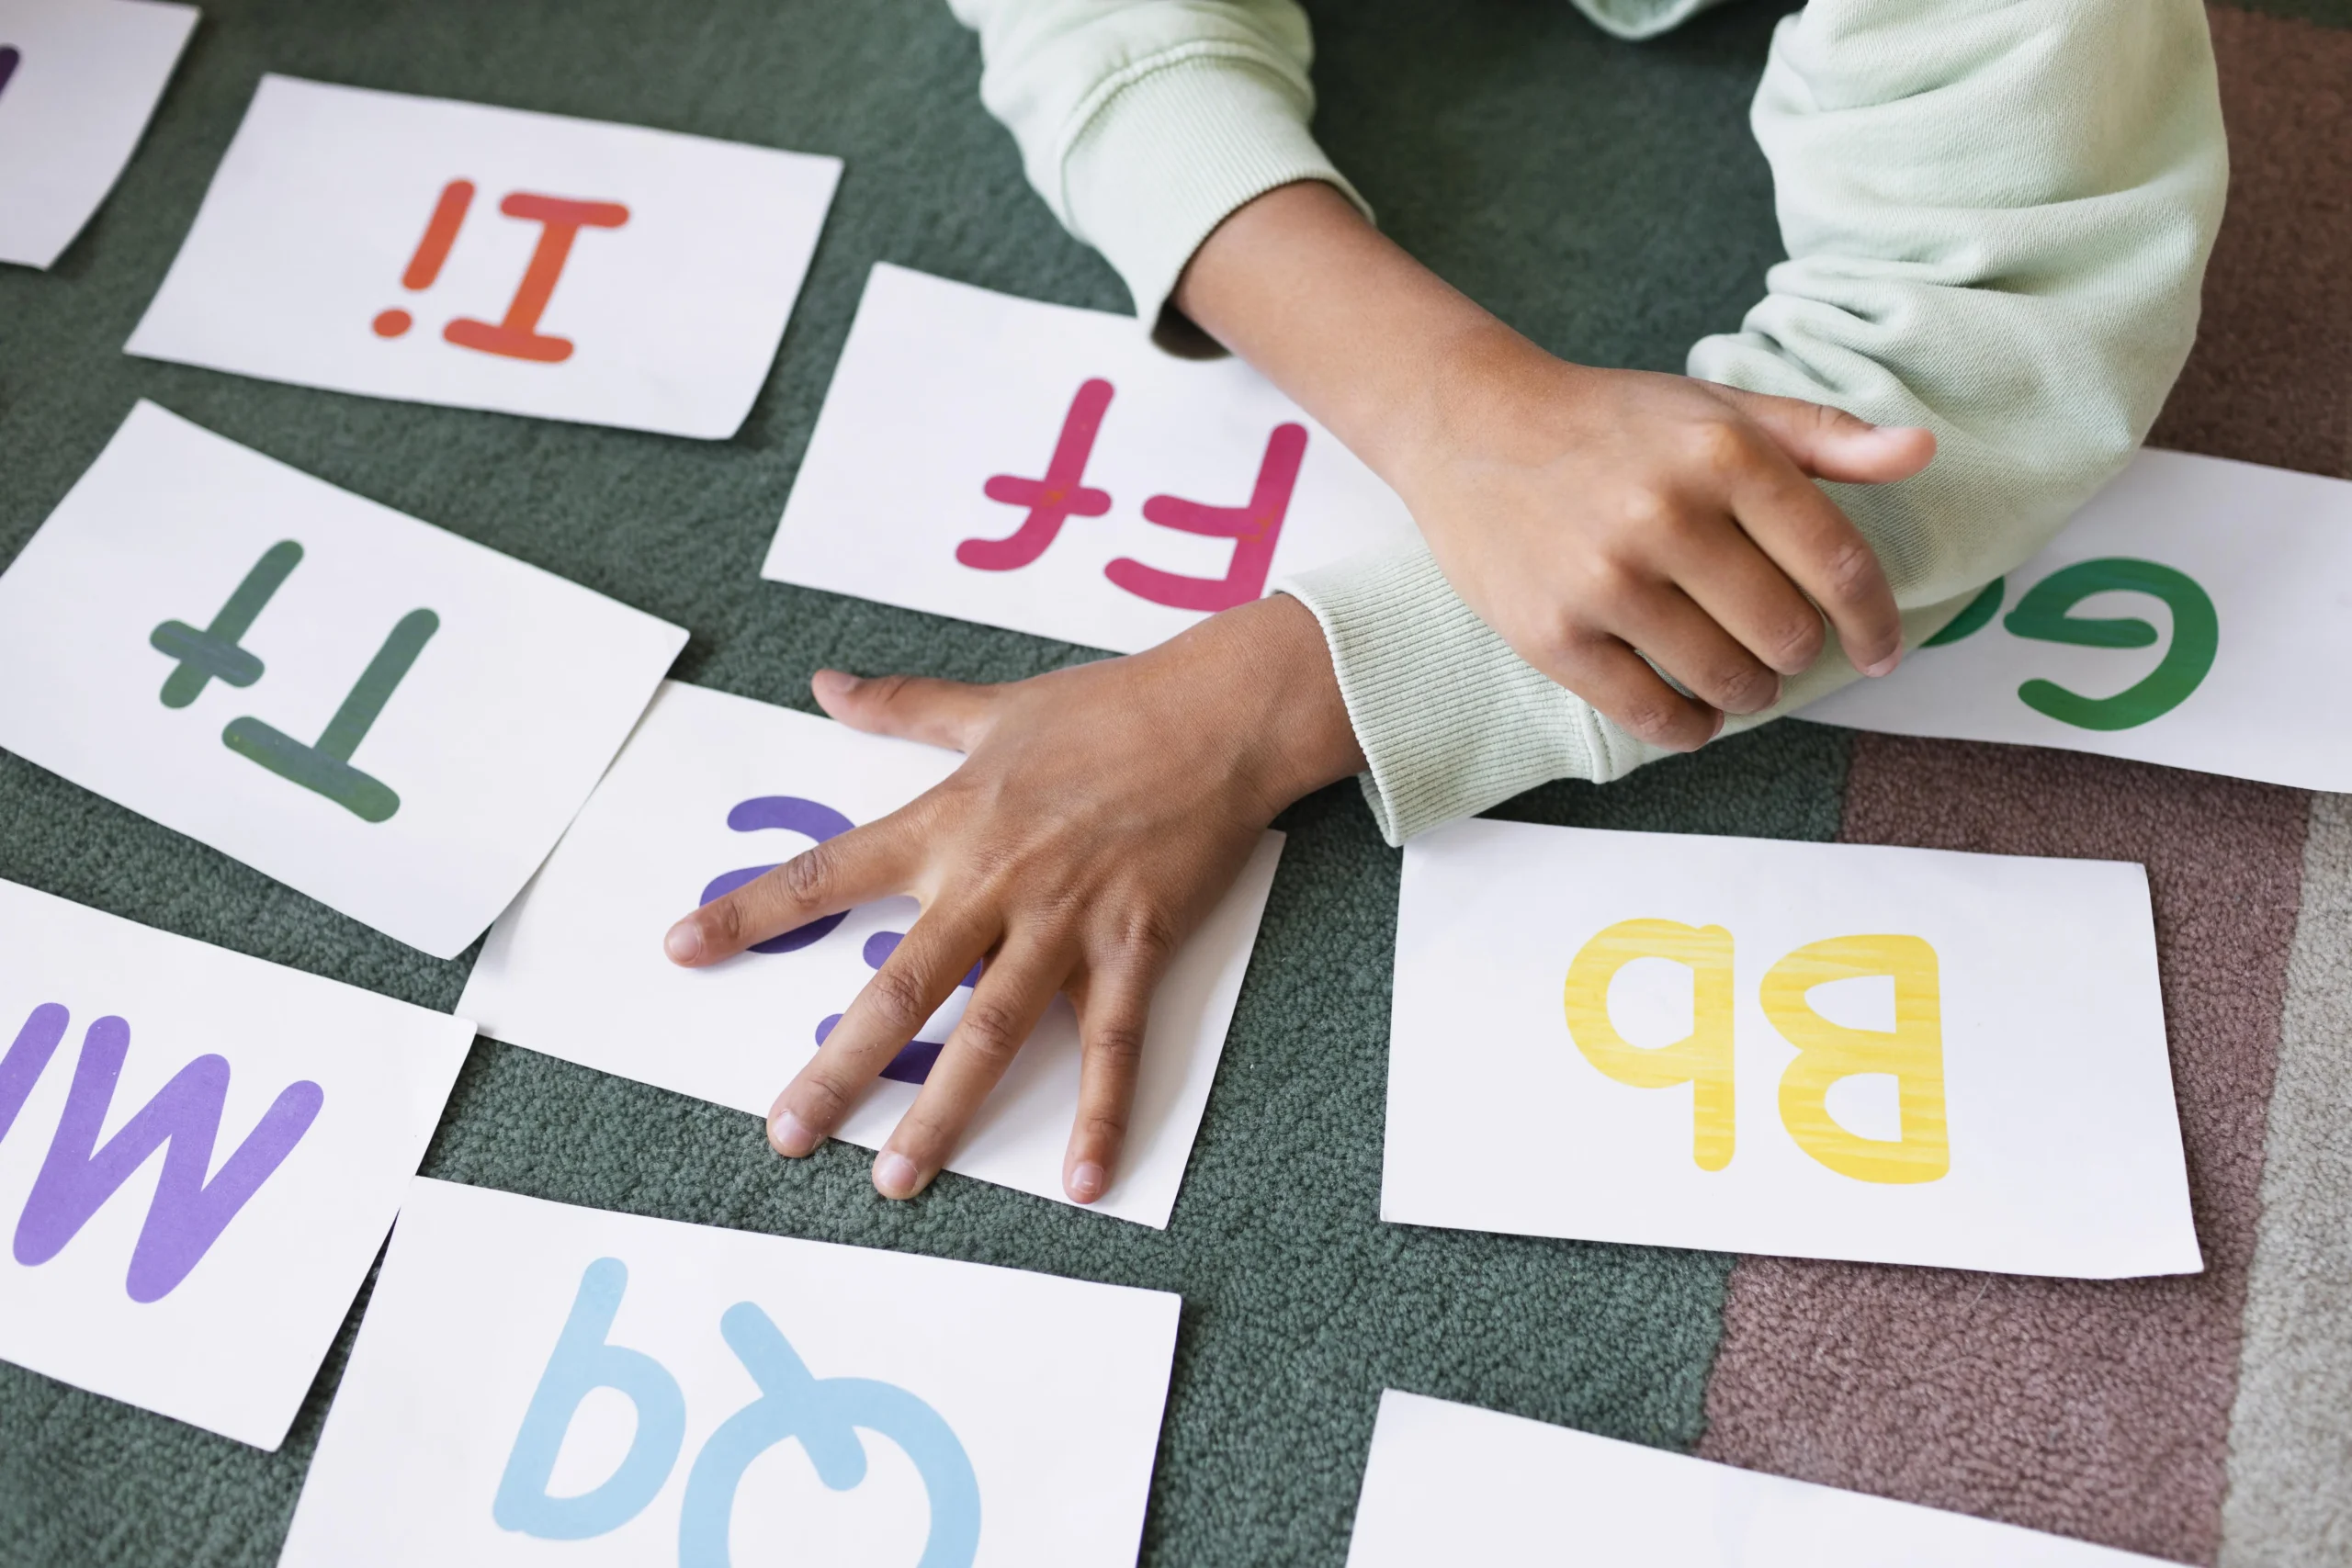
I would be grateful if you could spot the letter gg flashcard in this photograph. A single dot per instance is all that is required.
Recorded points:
(2188, 616)
(200, 1154)
(537, 1383)
(387, 717)
(1048, 470)
(1450, 1482)
(1890, 1056)
(711, 791)
(79, 80)
(487, 258)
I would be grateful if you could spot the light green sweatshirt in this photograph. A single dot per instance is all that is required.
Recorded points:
(1996, 212)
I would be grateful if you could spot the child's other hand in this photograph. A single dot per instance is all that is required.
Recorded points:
(1099, 814)
(1595, 516)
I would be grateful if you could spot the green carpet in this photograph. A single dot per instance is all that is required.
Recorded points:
(1603, 197)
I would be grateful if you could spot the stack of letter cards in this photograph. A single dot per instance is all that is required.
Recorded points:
(448, 253)
(199, 1155)
(2194, 615)
(1450, 1482)
(378, 714)
(79, 80)
(535, 1383)
(1048, 470)
(1890, 1055)
(713, 790)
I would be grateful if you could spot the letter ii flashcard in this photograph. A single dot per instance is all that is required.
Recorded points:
(393, 719)
(200, 1154)
(542, 1384)
(1853, 1050)
(489, 258)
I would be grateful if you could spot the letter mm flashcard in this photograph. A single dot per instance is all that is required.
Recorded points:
(2193, 614)
(78, 82)
(1450, 1482)
(450, 252)
(200, 1154)
(390, 718)
(536, 1384)
(1892, 1055)
(1048, 470)
(711, 791)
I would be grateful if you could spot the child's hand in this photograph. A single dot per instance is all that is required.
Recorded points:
(1595, 516)
(1099, 814)
(1590, 516)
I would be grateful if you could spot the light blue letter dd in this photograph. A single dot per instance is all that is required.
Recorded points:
(582, 1362)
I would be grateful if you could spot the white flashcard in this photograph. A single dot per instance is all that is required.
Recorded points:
(1046, 468)
(712, 790)
(393, 719)
(540, 1384)
(79, 79)
(488, 259)
(199, 1155)
(2189, 616)
(1450, 1482)
(1890, 1055)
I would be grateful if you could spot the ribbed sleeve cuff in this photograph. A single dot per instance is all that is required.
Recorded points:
(1451, 720)
(1176, 142)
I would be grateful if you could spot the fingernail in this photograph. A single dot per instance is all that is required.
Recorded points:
(1086, 1181)
(1885, 666)
(895, 1174)
(831, 681)
(683, 945)
(791, 1135)
(1721, 717)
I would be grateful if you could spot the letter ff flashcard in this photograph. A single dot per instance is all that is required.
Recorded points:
(2197, 612)
(379, 714)
(1048, 470)
(199, 1155)
(537, 1383)
(79, 79)
(711, 791)
(489, 258)
(1853, 1050)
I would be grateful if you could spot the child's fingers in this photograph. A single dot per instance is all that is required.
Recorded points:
(1823, 554)
(1738, 586)
(952, 714)
(1689, 643)
(1611, 676)
(1830, 444)
(1013, 993)
(920, 973)
(857, 867)
(1111, 1016)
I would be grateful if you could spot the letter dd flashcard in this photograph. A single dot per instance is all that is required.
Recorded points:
(710, 792)
(488, 259)
(1853, 1050)
(79, 80)
(1048, 470)
(537, 1383)
(387, 717)
(200, 1154)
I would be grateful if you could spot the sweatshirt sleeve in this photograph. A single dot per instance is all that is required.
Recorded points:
(1144, 122)
(1996, 216)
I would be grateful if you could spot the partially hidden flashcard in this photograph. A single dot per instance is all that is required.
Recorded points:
(379, 714)
(489, 258)
(1450, 1482)
(2191, 614)
(1850, 1051)
(1048, 470)
(79, 79)
(540, 1384)
(199, 1155)
(710, 792)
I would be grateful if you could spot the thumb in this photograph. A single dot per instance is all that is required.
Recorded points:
(912, 707)
(1830, 444)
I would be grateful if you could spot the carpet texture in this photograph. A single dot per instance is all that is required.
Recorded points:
(1606, 199)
